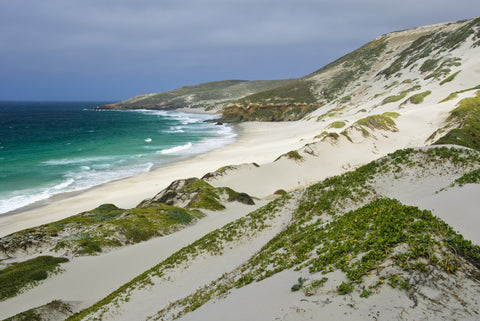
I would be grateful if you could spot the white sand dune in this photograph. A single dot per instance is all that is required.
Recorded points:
(88, 279)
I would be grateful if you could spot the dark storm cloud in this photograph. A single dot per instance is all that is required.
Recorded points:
(114, 49)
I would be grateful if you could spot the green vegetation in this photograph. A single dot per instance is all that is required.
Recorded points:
(449, 97)
(354, 65)
(449, 78)
(205, 195)
(17, 276)
(444, 69)
(391, 114)
(345, 288)
(383, 122)
(293, 154)
(107, 226)
(299, 90)
(324, 235)
(418, 98)
(212, 243)
(380, 94)
(205, 95)
(435, 42)
(455, 94)
(324, 135)
(269, 112)
(429, 65)
(337, 124)
(394, 98)
(472, 177)
(321, 135)
(296, 91)
(331, 113)
(420, 48)
(344, 99)
(44, 312)
(393, 84)
(466, 119)
(280, 192)
(298, 285)
(357, 242)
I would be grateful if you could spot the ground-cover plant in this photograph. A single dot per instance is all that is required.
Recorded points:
(435, 42)
(472, 177)
(449, 78)
(108, 226)
(337, 124)
(293, 154)
(375, 122)
(393, 98)
(17, 276)
(418, 98)
(340, 223)
(466, 121)
(455, 94)
(104, 227)
(212, 243)
(429, 65)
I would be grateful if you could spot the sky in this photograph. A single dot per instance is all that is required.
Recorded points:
(112, 50)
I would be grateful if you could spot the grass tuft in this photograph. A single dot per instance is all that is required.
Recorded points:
(18, 276)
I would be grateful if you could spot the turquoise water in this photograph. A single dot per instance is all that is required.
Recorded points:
(52, 148)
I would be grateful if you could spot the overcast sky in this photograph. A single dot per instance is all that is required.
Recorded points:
(115, 49)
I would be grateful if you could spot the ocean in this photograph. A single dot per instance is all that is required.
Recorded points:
(49, 148)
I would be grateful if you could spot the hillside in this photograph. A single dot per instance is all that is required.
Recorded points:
(208, 96)
(390, 68)
(364, 205)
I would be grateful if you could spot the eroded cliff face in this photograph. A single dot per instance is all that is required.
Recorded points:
(271, 112)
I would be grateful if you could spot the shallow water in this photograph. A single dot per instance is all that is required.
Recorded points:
(51, 148)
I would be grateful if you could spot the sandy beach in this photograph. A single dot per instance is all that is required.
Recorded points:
(259, 142)
(254, 144)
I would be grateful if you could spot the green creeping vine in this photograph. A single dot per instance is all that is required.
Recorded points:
(340, 223)
(320, 239)
(213, 243)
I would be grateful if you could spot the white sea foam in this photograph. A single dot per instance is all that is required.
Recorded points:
(23, 198)
(176, 149)
(174, 130)
(64, 185)
(149, 112)
(77, 160)
(74, 181)
(87, 172)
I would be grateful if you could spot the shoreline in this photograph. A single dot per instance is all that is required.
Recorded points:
(228, 138)
(252, 144)
(66, 195)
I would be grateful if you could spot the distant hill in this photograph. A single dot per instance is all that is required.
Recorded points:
(395, 64)
(430, 55)
(210, 96)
